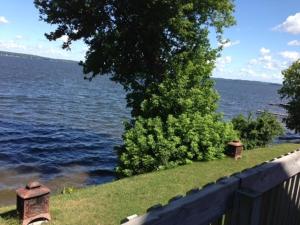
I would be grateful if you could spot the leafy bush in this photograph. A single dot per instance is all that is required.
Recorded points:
(257, 132)
(152, 145)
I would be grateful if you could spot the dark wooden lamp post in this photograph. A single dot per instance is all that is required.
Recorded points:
(33, 202)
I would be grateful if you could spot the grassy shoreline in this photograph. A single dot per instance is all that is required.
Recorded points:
(107, 204)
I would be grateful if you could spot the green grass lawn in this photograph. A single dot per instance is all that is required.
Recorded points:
(109, 203)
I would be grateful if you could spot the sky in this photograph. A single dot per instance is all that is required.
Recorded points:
(265, 40)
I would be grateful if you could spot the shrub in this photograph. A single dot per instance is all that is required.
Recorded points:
(152, 145)
(257, 132)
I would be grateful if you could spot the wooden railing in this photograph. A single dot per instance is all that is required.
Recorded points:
(268, 194)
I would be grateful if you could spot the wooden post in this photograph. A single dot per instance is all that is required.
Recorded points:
(248, 207)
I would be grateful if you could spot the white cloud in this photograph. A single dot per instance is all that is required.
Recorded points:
(248, 71)
(264, 51)
(290, 55)
(38, 49)
(253, 62)
(222, 62)
(294, 43)
(290, 25)
(39, 46)
(11, 45)
(265, 60)
(225, 60)
(270, 65)
(228, 43)
(3, 20)
(256, 73)
(267, 67)
(263, 68)
(64, 38)
(19, 37)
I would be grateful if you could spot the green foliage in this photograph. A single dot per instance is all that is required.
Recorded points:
(67, 190)
(136, 41)
(153, 145)
(290, 91)
(257, 132)
(186, 89)
(159, 50)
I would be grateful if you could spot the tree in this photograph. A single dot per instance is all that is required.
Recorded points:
(290, 91)
(160, 52)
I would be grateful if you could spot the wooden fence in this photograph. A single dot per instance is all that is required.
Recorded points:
(268, 194)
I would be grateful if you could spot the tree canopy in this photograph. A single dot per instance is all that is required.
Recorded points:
(160, 51)
(290, 91)
(136, 40)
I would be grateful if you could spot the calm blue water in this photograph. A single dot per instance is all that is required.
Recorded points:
(59, 128)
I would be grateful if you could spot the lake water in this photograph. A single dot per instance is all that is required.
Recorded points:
(61, 129)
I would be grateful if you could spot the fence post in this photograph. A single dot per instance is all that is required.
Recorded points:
(247, 207)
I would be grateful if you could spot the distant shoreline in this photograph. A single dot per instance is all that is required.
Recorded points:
(23, 55)
(28, 56)
(256, 81)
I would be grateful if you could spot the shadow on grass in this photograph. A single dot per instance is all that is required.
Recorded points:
(12, 214)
